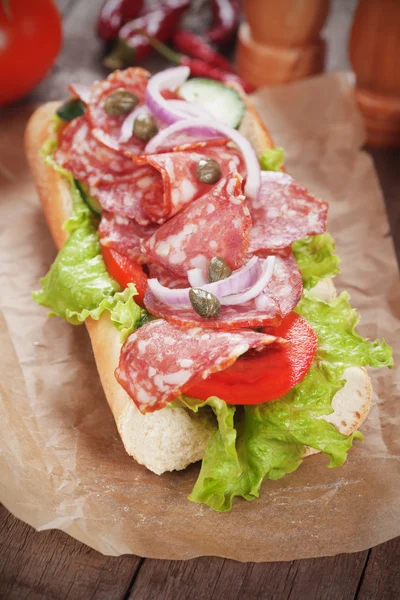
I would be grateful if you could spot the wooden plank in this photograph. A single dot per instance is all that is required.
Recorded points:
(381, 578)
(52, 565)
(331, 578)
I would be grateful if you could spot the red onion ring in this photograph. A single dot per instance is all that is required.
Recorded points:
(190, 109)
(254, 291)
(81, 91)
(170, 79)
(242, 279)
(207, 129)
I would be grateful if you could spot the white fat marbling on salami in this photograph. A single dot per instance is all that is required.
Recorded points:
(277, 300)
(89, 161)
(160, 361)
(181, 186)
(178, 243)
(125, 196)
(124, 235)
(166, 277)
(106, 129)
(283, 213)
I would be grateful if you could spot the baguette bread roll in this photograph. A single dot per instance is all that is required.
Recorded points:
(168, 439)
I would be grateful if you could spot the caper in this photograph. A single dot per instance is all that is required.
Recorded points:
(120, 102)
(204, 303)
(218, 269)
(208, 170)
(144, 127)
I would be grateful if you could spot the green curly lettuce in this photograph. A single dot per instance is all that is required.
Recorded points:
(78, 285)
(316, 258)
(272, 159)
(271, 438)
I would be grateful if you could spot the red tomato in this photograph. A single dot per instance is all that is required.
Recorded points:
(260, 377)
(30, 39)
(125, 271)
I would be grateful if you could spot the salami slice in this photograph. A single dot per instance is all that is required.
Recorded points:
(283, 213)
(123, 235)
(217, 224)
(278, 299)
(181, 186)
(87, 160)
(106, 128)
(159, 361)
(124, 196)
(167, 278)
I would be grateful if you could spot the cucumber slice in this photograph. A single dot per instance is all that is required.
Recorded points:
(221, 101)
(92, 203)
(71, 109)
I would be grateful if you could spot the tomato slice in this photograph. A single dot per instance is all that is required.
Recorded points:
(124, 271)
(258, 377)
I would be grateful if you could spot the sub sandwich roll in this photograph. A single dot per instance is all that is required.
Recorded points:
(203, 273)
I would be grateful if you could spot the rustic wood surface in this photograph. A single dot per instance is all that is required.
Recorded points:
(52, 565)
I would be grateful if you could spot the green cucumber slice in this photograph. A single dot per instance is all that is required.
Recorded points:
(92, 203)
(224, 103)
(71, 109)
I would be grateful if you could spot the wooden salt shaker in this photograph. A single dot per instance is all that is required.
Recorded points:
(280, 40)
(374, 54)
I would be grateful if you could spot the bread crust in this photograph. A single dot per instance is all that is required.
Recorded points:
(169, 439)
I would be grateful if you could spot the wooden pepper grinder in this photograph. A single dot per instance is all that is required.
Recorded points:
(280, 40)
(374, 54)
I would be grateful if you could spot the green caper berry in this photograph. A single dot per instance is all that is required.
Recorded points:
(218, 269)
(144, 127)
(208, 171)
(204, 303)
(120, 102)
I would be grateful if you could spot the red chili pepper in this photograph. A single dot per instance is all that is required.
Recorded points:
(113, 14)
(198, 67)
(193, 45)
(133, 44)
(226, 15)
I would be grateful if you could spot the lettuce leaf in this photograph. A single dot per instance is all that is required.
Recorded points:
(316, 258)
(78, 285)
(271, 437)
(272, 159)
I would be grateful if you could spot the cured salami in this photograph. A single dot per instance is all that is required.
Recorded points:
(123, 235)
(283, 213)
(106, 128)
(167, 278)
(159, 361)
(217, 224)
(87, 160)
(181, 185)
(278, 299)
(124, 196)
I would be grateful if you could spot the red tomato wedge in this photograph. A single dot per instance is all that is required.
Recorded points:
(125, 271)
(258, 377)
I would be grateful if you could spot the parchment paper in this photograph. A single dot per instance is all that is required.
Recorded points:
(62, 463)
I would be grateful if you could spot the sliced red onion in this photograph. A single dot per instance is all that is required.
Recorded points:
(190, 109)
(81, 91)
(256, 289)
(209, 129)
(170, 79)
(241, 279)
(127, 126)
(167, 295)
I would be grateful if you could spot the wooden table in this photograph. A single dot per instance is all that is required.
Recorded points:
(53, 565)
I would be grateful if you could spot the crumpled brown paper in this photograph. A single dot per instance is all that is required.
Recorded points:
(62, 463)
